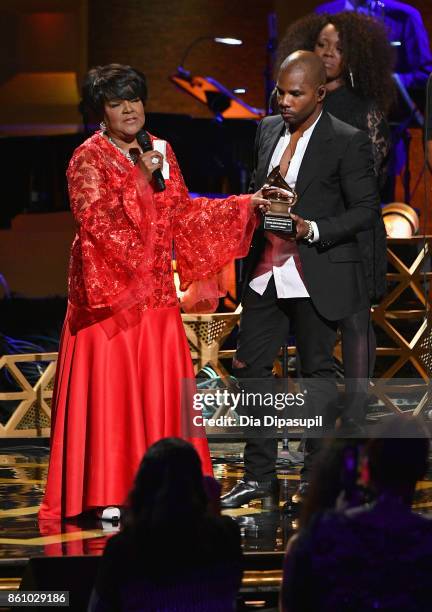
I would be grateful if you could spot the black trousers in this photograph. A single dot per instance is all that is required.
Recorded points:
(264, 328)
(358, 356)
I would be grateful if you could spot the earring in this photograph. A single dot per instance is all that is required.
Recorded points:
(103, 126)
(351, 76)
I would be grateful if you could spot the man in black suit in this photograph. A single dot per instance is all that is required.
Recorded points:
(315, 279)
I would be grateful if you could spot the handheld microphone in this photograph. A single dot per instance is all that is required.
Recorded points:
(145, 143)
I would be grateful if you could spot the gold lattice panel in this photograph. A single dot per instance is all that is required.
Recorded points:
(208, 331)
(408, 275)
(206, 335)
(31, 416)
(408, 328)
(425, 348)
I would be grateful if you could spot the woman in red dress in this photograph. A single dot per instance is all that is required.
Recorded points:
(123, 354)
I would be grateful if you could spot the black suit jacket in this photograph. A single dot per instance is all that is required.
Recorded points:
(337, 188)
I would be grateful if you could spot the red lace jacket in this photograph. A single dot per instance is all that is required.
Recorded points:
(121, 256)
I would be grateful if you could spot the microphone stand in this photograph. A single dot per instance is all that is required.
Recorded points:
(403, 133)
(270, 58)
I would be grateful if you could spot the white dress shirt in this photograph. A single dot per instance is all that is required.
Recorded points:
(280, 257)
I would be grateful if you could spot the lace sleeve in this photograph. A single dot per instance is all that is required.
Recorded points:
(102, 199)
(379, 134)
(208, 234)
(113, 254)
(85, 182)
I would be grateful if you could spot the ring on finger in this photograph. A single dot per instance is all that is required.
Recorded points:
(155, 160)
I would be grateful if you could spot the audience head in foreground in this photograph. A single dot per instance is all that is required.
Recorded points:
(374, 556)
(174, 552)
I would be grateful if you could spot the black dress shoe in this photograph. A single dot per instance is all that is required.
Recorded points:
(248, 490)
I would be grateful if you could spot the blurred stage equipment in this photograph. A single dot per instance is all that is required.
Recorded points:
(222, 40)
(271, 50)
(4, 288)
(415, 113)
(223, 102)
(400, 220)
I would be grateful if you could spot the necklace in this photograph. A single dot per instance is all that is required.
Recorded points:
(123, 151)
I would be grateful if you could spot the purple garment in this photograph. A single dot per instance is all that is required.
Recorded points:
(404, 24)
(375, 557)
(194, 568)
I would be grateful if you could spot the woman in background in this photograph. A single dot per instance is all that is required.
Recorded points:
(358, 60)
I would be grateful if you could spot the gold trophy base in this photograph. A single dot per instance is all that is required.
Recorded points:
(278, 219)
(279, 223)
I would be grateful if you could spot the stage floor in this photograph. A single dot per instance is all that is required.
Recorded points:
(22, 478)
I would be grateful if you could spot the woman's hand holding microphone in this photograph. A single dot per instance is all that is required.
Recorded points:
(149, 162)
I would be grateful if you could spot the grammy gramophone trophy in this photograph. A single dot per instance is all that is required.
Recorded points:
(282, 198)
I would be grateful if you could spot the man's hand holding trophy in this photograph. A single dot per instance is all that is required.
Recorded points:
(279, 217)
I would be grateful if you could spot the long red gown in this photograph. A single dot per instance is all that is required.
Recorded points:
(123, 354)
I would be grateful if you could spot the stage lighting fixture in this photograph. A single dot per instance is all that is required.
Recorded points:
(400, 220)
(223, 102)
(228, 41)
(222, 40)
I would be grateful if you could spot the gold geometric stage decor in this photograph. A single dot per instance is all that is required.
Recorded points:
(32, 415)
(26, 410)
(405, 316)
(206, 334)
(404, 313)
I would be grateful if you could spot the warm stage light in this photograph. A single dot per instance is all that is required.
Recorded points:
(400, 220)
(228, 41)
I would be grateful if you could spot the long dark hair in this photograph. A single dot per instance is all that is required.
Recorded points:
(366, 52)
(169, 483)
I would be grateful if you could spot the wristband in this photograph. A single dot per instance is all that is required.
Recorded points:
(310, 233)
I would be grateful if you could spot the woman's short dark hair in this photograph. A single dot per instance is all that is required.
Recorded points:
(112, 82)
